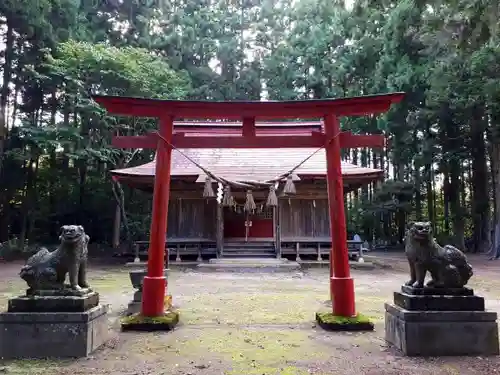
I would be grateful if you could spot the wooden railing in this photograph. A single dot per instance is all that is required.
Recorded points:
(202, 247)
(205, 248)
(316, 246)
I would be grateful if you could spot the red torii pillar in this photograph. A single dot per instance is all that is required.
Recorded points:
(341, 283)
(155, 283)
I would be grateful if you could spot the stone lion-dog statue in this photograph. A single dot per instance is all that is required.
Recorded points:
(47, 270)
(447, 265)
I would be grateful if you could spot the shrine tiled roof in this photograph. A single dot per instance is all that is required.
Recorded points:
(250, 164)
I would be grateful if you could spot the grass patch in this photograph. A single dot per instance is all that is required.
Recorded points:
(251, 308)
(167, 303)
(32, 366)
(138, 322)
(330, 322)
(255, 351)
(330, 318)
(115, 280)
(168, 318)
(10, 288)
(373, 306)
(259, 370)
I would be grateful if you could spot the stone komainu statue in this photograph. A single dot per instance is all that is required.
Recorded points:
(447, 265)
(47, 270)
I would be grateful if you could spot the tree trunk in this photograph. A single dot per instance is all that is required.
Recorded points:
(480, 202)
(364, 199)
(33, 198)
(4, 92)
(446, 200)
(15, 105)
(120, 199)
(494, 137)
(456, 209)
(66, 119)
(82, 165)
(430, 195)
(400, 214)
(117, 222)
(377, 221)
(418, 194)
(495, 162)
(82, 170)
(52, 227)
(451, 147)
(116, 227)
(6, 211)
(27, 204)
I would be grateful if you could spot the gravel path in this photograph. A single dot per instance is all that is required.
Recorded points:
(255, 324)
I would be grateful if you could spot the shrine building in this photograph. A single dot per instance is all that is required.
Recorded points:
(199, 228)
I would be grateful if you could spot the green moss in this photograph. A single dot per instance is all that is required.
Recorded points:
(171, 317)
(329, 318)
(371, 304)
(273, 307)
(259, 370)
(32, 366)
(255, 351)
(112, 281)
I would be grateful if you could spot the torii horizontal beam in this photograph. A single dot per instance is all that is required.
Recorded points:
(314, 140)
(236, 110)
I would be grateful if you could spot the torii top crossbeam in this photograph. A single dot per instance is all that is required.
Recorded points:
(355, 106)
(249, 112)
(330, 110)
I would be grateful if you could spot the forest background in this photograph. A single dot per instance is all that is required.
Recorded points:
(443, 157)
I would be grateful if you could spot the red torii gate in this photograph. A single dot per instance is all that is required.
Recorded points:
(341, 283)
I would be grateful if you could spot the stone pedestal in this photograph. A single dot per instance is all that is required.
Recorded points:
(136, 278)
(134, 306)
(53, 326)
(440, 322)
(60, 304)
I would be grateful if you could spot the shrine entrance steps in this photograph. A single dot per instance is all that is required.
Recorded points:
(249, 265)
(251, 249)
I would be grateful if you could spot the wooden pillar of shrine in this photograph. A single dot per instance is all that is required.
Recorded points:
(341, 283)
(276, 231)
(155, 284)
(219, 234)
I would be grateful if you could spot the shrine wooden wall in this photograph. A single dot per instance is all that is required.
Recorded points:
(191, 218)
(303, 215)
(304, 218)
(196, 218)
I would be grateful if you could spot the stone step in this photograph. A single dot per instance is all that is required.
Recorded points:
(249, 247)
(249, 261)
(249, 244)
(248, 254)
(249, 265)
(254, 250)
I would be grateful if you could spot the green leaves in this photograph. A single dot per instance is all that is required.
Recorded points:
(117, 71)
(392, 196)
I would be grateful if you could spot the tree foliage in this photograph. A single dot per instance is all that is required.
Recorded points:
(443, 156)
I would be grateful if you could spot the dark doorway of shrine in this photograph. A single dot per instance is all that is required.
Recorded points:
(241, 225)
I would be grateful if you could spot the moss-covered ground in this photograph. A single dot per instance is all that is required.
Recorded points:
(328, 317)
(253, 324)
